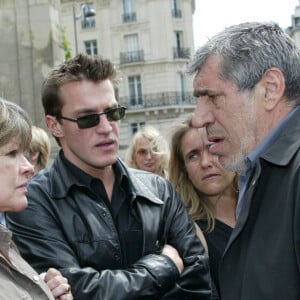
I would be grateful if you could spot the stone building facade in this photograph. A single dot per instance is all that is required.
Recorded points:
(294, 29)
(150, 42)
(30, 45)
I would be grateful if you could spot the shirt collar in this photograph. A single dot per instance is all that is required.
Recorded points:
(86, 179)
(268, 140)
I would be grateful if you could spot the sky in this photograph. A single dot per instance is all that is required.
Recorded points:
(212, 16)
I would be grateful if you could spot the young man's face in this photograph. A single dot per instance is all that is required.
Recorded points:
(232, 118)
(91, 149)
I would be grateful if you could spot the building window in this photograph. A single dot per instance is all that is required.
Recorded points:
(178, 39)
(136, 126)
(87, 22)
(132, 52)
(182, 95)
(176, 11)
(91, 47)
(179, 50)
(129, 13)
(297, 21)
(135, 91)
(131, 42)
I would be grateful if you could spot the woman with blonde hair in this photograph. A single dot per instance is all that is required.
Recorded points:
(39, 149)
(148, 151)
(208, 191)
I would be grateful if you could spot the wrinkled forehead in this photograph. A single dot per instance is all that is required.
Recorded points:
(143, 142)
(195, 138)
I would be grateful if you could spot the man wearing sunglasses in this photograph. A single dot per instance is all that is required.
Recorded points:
(115, 233)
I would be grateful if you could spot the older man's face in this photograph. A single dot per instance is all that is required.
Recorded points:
(230, 116)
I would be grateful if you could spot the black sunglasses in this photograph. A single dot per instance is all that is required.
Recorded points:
(88, 121)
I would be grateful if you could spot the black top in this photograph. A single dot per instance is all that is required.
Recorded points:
(216, 243)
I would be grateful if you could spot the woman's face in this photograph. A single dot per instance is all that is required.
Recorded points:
(144, 158)
(15, 171)
(203, 168)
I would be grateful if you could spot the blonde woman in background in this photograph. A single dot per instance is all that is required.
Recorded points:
(39, 149)
(148, 151)
(208, 191)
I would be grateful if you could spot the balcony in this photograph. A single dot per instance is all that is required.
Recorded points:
(179, 52)
(161, 100)
(88, 23)
(176, 13)
(131, 57)
(129, 17)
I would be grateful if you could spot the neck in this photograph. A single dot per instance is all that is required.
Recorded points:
(108, 181)
(225, 206)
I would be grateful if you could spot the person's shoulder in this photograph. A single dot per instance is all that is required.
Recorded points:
(145, 175)
(156, 184)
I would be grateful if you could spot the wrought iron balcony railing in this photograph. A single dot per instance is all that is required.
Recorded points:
(129, 17)
(180, 52)
(159, 100)
(176, 13)
(131, 57)
(88, 23)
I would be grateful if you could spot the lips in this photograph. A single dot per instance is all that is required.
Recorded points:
(214, 144)
(24, 185)
(149, 165)
(209, 176)
(105, 143)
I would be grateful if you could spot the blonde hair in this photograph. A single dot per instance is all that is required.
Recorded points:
(159, 147)
(199, 207)
(40, 143)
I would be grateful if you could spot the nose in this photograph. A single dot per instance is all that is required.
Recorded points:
(26, 167)
(149, 154)
(206, 159)
(104, 125)
(203, 116)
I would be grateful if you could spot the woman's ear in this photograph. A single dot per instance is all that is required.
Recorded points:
(34, 157)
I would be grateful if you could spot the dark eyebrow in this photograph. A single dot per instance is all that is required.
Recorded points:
(200, 92)
(92, 111)
(191, 152)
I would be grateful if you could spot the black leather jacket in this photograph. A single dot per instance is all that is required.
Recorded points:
(262, 258)
(64, 227)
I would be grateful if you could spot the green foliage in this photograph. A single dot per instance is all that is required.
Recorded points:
(66, 44)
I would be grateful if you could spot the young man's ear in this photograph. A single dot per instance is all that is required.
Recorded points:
(274, 84)
(54, 126)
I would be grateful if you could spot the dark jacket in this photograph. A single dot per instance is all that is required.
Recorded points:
(262, 259)
(65, 227)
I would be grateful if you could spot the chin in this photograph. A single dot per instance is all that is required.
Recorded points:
(22, 204)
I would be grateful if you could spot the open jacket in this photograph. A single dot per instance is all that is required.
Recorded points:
(17, 279)
(64, 227)
(262, 258)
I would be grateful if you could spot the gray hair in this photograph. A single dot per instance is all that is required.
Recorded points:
(14, 122)
(248, 50)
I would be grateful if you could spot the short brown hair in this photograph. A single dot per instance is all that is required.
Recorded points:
(81, 67)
